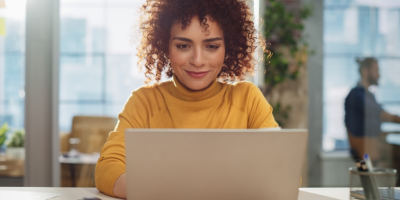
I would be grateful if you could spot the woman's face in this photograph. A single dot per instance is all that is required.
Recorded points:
(196, 57)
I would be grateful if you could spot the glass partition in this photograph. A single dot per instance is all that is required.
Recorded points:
(357, 29)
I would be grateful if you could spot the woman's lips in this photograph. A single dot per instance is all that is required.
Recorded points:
(197, 74)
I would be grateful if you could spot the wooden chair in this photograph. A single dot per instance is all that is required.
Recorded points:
(93, 132)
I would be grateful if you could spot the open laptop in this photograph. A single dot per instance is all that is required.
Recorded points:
(191, 164)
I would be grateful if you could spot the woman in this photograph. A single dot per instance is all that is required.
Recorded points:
(201, 45)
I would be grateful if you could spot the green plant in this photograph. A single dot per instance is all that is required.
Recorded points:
(280, 113)
(283, 28)
(17, 139)
(3, 131)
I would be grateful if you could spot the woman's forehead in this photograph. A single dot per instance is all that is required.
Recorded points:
(196, 30)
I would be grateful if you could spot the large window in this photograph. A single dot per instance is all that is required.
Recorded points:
(98, 68)
(356, 29)
(12, 63)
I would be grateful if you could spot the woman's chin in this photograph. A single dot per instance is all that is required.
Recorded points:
(197, 87)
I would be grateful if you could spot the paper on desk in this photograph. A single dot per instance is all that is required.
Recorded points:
(27, 195)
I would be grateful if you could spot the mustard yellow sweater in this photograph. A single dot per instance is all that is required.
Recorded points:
(171, 105)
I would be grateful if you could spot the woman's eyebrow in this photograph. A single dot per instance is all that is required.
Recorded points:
(182, 39)
(189, 40)
(212, 39)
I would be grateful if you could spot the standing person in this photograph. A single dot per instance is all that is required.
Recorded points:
(201, 45)
(364, 115)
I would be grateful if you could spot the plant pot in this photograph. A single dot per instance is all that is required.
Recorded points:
(17, 153)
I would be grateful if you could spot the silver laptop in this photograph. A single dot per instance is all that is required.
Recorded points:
(214, 164)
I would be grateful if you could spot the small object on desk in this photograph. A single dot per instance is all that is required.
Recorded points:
(368, 181)
(361, 165)
(91, 198)
(368, 162)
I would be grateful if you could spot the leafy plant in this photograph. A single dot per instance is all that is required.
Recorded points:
(282, 28)
(280, 113)
(3, 131)
(17, 139)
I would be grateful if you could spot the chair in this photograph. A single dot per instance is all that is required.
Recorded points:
(93, 132)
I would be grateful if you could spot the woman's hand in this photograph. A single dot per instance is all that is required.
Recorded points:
(119, 189)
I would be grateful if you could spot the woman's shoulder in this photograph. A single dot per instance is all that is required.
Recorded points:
(243, 93)
(243, 87)
(149, 93)
(151, 89)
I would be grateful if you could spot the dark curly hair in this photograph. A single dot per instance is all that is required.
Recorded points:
(233, 16)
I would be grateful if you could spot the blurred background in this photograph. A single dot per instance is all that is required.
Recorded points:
(58, 103)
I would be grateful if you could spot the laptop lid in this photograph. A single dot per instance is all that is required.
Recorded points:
(214, 164)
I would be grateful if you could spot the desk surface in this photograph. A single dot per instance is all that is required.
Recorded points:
(79, 193)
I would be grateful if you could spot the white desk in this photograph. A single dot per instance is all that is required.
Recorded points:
(79, 193)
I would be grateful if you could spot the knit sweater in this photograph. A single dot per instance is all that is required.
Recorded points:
(172, 105)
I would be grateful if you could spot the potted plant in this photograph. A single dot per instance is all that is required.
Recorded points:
(15, 145)
(3, 131)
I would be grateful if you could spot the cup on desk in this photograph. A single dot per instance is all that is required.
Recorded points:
(372, 185)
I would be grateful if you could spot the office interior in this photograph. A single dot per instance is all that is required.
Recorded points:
(67, 68)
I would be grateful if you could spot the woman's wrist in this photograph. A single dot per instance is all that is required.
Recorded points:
(119, 189)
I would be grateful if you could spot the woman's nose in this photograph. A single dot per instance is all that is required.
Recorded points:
(197, 58)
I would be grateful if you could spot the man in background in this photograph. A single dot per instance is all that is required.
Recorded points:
(364, 116)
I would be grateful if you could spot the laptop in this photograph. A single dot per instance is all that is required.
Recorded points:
(183, 164)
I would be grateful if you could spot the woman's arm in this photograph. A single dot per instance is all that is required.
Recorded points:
(259, 111)
(120, 187)
(110, 169)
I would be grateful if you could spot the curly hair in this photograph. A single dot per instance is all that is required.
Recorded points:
(233, 16)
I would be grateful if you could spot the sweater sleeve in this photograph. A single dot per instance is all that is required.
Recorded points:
(259, 111)
(111, 163)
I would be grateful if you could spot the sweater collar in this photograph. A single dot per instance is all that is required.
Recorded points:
(181, 92)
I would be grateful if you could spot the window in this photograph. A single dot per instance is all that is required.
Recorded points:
(356, 29)
(12, 63)
(98, 68)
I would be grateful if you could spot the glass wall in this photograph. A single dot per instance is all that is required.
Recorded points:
(358, 29)
(98, 68)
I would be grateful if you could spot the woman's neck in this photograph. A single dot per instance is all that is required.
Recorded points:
(182, 92)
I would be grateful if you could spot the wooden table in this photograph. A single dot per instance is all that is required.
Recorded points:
(79, 193)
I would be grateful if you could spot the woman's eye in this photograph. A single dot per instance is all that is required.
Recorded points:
(213, 47)
(182, 46)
